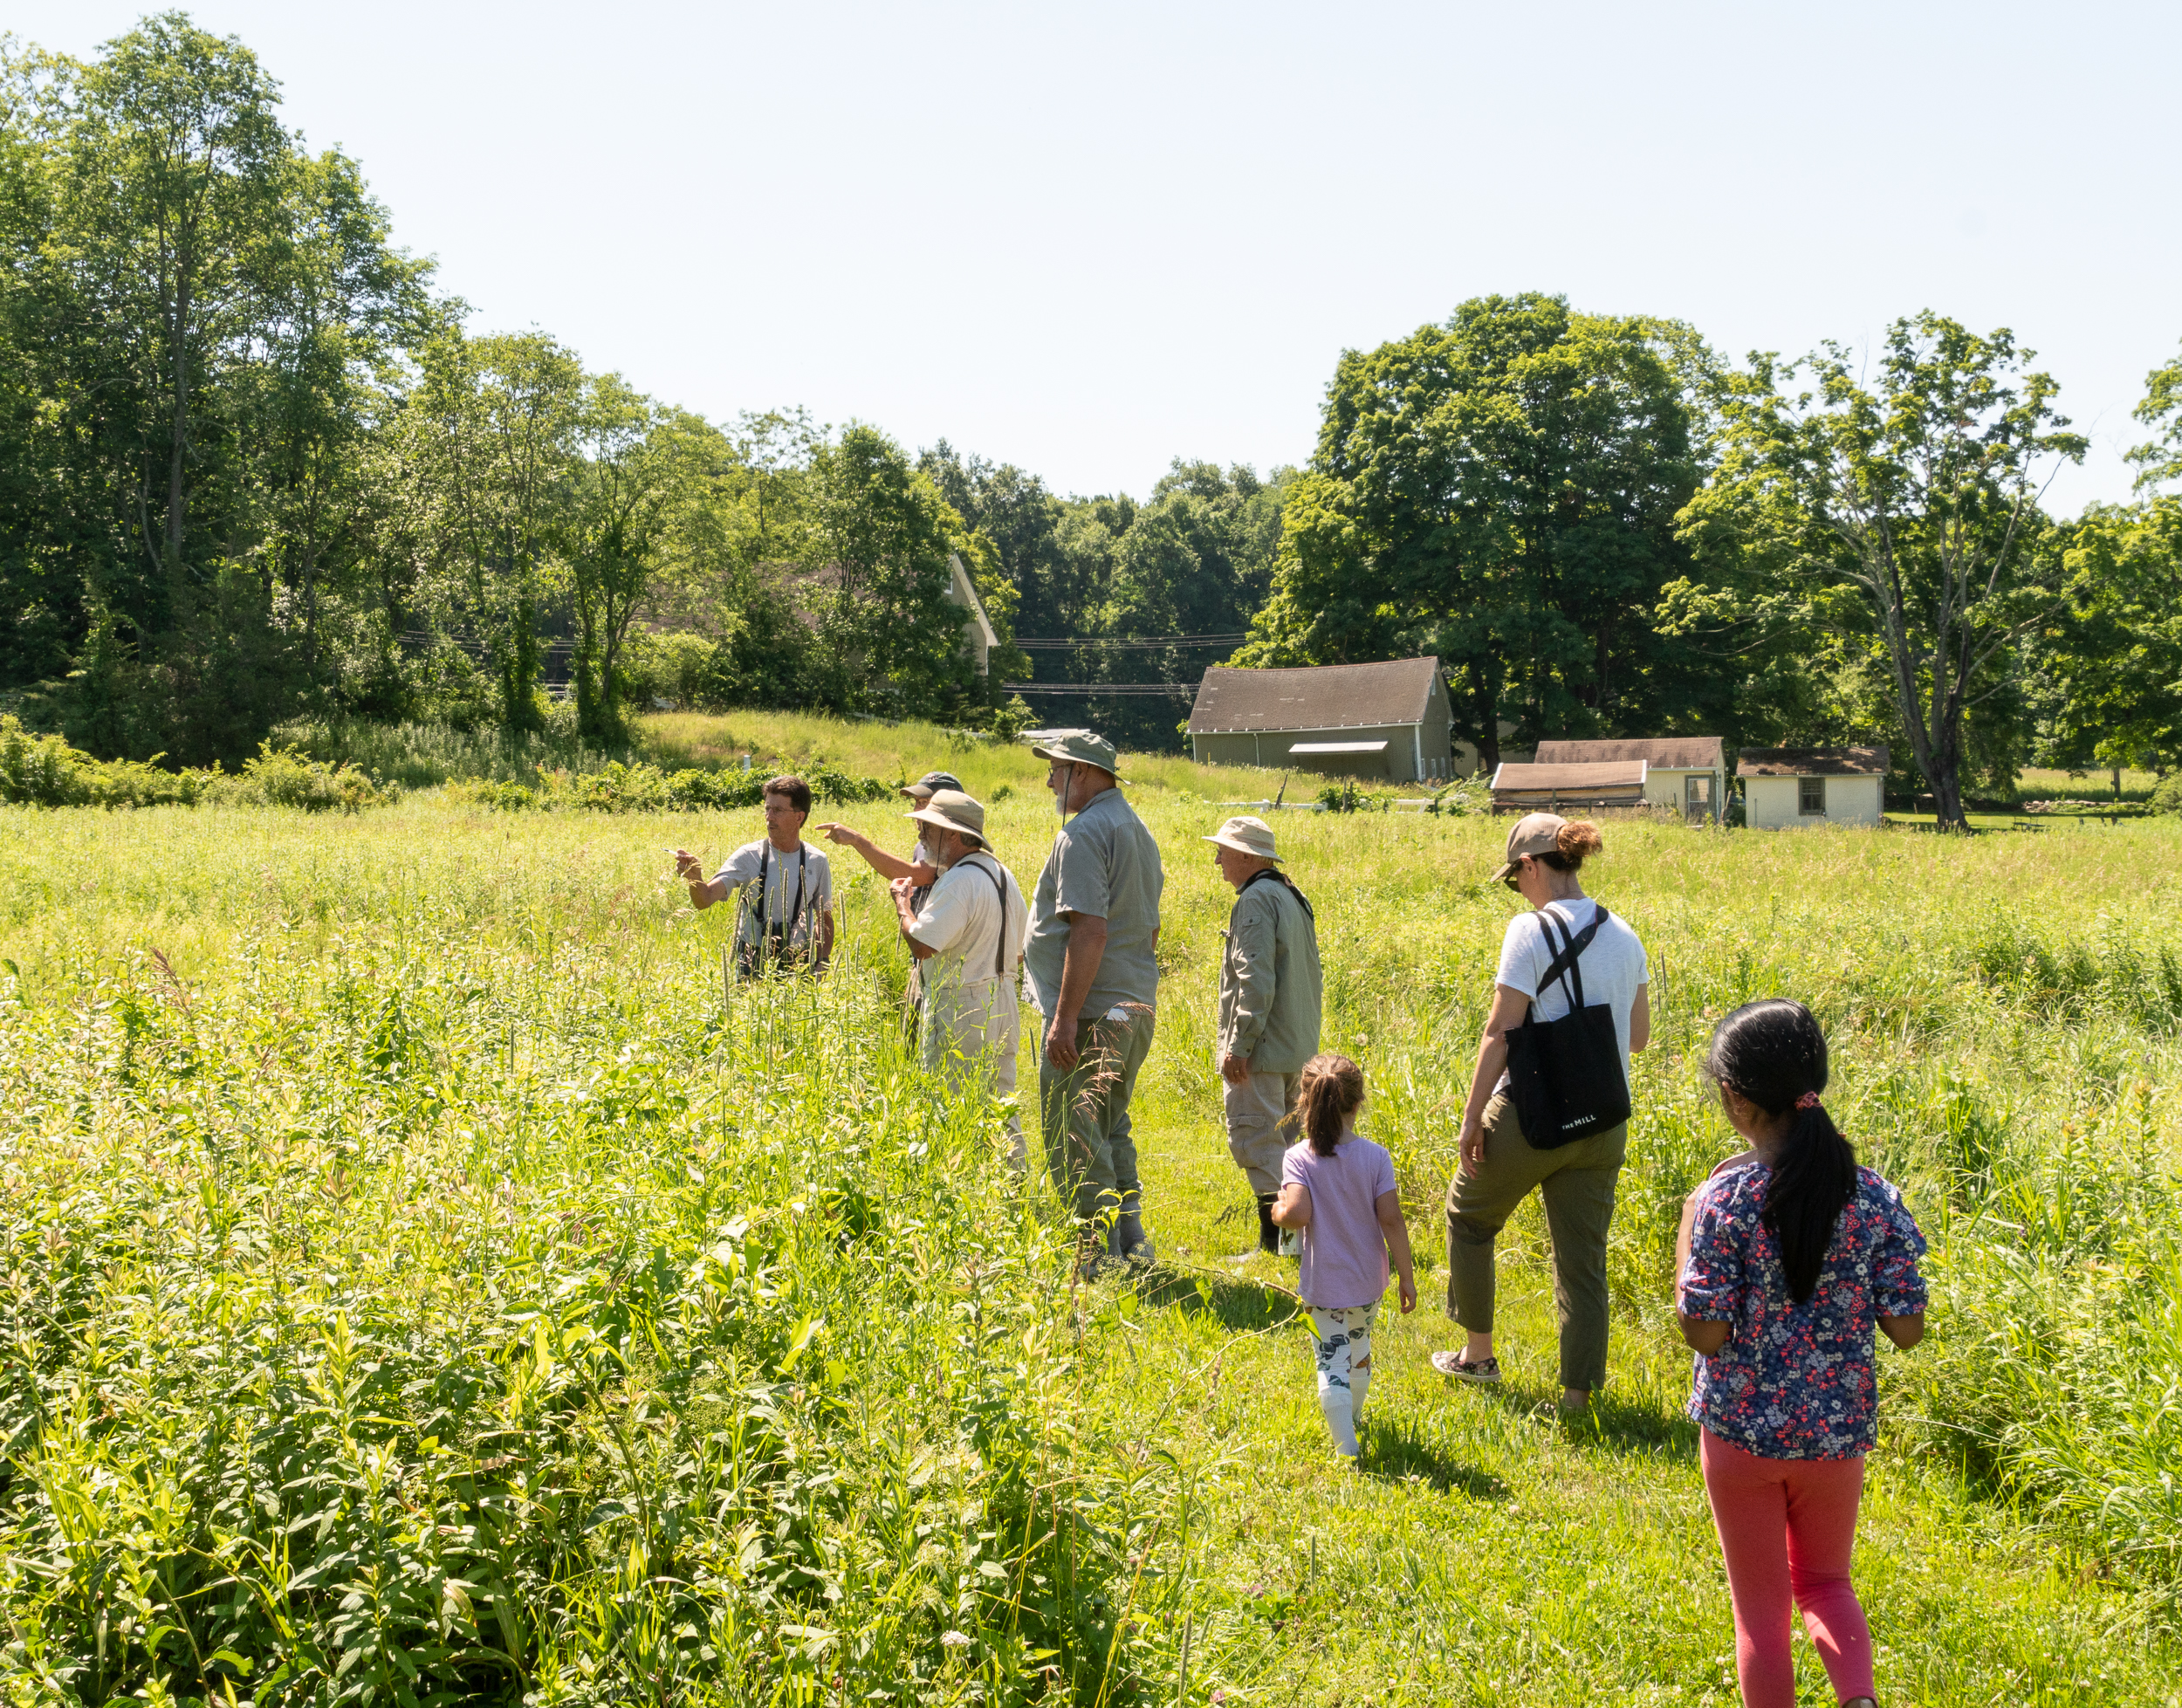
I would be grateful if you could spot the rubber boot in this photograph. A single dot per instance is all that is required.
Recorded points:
(1268, 1231)
(1131, 1244)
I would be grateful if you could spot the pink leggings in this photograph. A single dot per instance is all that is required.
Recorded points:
(1787, 1528)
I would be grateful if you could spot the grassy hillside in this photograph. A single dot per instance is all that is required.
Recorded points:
(422, 1287)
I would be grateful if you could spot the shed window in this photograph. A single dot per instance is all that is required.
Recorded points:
(1810, 795)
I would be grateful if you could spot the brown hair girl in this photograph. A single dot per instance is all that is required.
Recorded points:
(1331, 1092)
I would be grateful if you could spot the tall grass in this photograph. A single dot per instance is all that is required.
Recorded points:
(416, 1263)
(451, 1296)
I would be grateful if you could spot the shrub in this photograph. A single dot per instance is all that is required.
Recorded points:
(2166, 797)
(41, 770)
(282, 777)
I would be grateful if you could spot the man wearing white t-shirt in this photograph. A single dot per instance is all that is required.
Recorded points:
(968, 940)
(920, 869)
(786, 921)
(1499, 1165)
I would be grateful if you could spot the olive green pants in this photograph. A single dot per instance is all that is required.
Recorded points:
(1576, 1182)
(1085, 1114)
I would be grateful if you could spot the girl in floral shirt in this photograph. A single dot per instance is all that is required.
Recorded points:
(1788, 1256)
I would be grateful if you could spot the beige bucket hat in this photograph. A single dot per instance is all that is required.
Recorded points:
(1246, 834)
(1534, 833)
(950, 809)
(1081, 747)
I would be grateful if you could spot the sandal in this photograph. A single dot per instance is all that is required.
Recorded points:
(1454, 1364)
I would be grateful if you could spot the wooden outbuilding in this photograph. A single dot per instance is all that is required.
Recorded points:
(1589, 786)
(1787, 787)
(1387, 721)
(1687, 773)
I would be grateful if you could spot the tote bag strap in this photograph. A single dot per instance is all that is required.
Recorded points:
(1563, 965)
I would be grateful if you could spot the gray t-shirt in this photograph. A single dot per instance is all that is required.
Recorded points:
(803, 875)
(1614, 965)
(1104, 863)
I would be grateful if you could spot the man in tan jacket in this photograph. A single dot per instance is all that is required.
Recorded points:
(1269, 1008)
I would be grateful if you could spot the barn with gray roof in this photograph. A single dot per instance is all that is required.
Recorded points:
(1386, 722)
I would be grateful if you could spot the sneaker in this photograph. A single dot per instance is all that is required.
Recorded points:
(1454, 1364)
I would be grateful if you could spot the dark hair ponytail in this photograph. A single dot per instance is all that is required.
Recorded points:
(1773, 1053)
(1331, 1091)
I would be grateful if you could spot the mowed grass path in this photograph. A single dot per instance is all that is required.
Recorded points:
(1488, 1551)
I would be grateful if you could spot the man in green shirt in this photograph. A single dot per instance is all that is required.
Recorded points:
(1269, 1008)
(1091, 970)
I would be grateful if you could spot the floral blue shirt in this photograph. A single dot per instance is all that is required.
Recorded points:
(1796, 1381)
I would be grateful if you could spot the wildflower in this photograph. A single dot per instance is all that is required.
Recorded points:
(953, 1640)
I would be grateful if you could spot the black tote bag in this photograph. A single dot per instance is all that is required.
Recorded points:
(1565, 1076)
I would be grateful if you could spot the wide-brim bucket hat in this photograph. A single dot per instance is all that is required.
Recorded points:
(950, 809)
(1246, 834)
(1081, 747)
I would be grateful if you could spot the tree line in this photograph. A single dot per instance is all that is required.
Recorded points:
(252, 464)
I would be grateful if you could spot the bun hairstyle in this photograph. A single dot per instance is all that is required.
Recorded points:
(1576, 839)
(1332, 1091)
(1773, 1053)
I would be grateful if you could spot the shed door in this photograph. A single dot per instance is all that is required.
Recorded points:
(1697, 795)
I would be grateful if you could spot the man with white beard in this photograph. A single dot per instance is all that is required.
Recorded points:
(968, 940)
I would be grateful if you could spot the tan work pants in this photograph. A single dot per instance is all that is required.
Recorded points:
(1577, 1182)
(1256, 1137)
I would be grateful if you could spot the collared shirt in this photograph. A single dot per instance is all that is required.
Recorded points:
(1104, 863)
(1269, 985)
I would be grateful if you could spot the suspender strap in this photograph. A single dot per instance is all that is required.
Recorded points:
(1000, 891)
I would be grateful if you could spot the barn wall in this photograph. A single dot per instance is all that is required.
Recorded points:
(1270, 749)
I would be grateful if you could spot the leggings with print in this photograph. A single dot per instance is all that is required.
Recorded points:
(1344, 1369)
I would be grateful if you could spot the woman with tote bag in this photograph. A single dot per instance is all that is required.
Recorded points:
(1548, 1107)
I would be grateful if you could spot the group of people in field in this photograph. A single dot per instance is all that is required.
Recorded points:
(1790, 1258)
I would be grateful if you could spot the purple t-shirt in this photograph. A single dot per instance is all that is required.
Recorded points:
(1344, 1253)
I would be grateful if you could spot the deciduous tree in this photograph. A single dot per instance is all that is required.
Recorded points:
(1904, 511)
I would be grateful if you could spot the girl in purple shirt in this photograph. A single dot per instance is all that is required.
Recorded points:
(1790, 1255)
(1337, 1189)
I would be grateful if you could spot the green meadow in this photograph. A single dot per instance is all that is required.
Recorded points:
(422, 1282)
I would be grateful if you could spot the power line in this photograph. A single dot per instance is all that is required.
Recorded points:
(1140, 688)
(1060, 643)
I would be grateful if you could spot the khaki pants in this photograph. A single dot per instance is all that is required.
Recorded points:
(967, 1030)
(1084, 1114)
(1256, 1138)
(1577, 1183)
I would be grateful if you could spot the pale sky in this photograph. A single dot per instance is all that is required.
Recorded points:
(1087, 239)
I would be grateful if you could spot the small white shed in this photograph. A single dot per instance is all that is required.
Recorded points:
(1785, 788)
(1687, 774)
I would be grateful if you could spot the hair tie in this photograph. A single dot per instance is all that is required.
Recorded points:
(1808, 1100)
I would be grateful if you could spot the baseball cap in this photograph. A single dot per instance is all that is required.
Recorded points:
(1534, 833)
